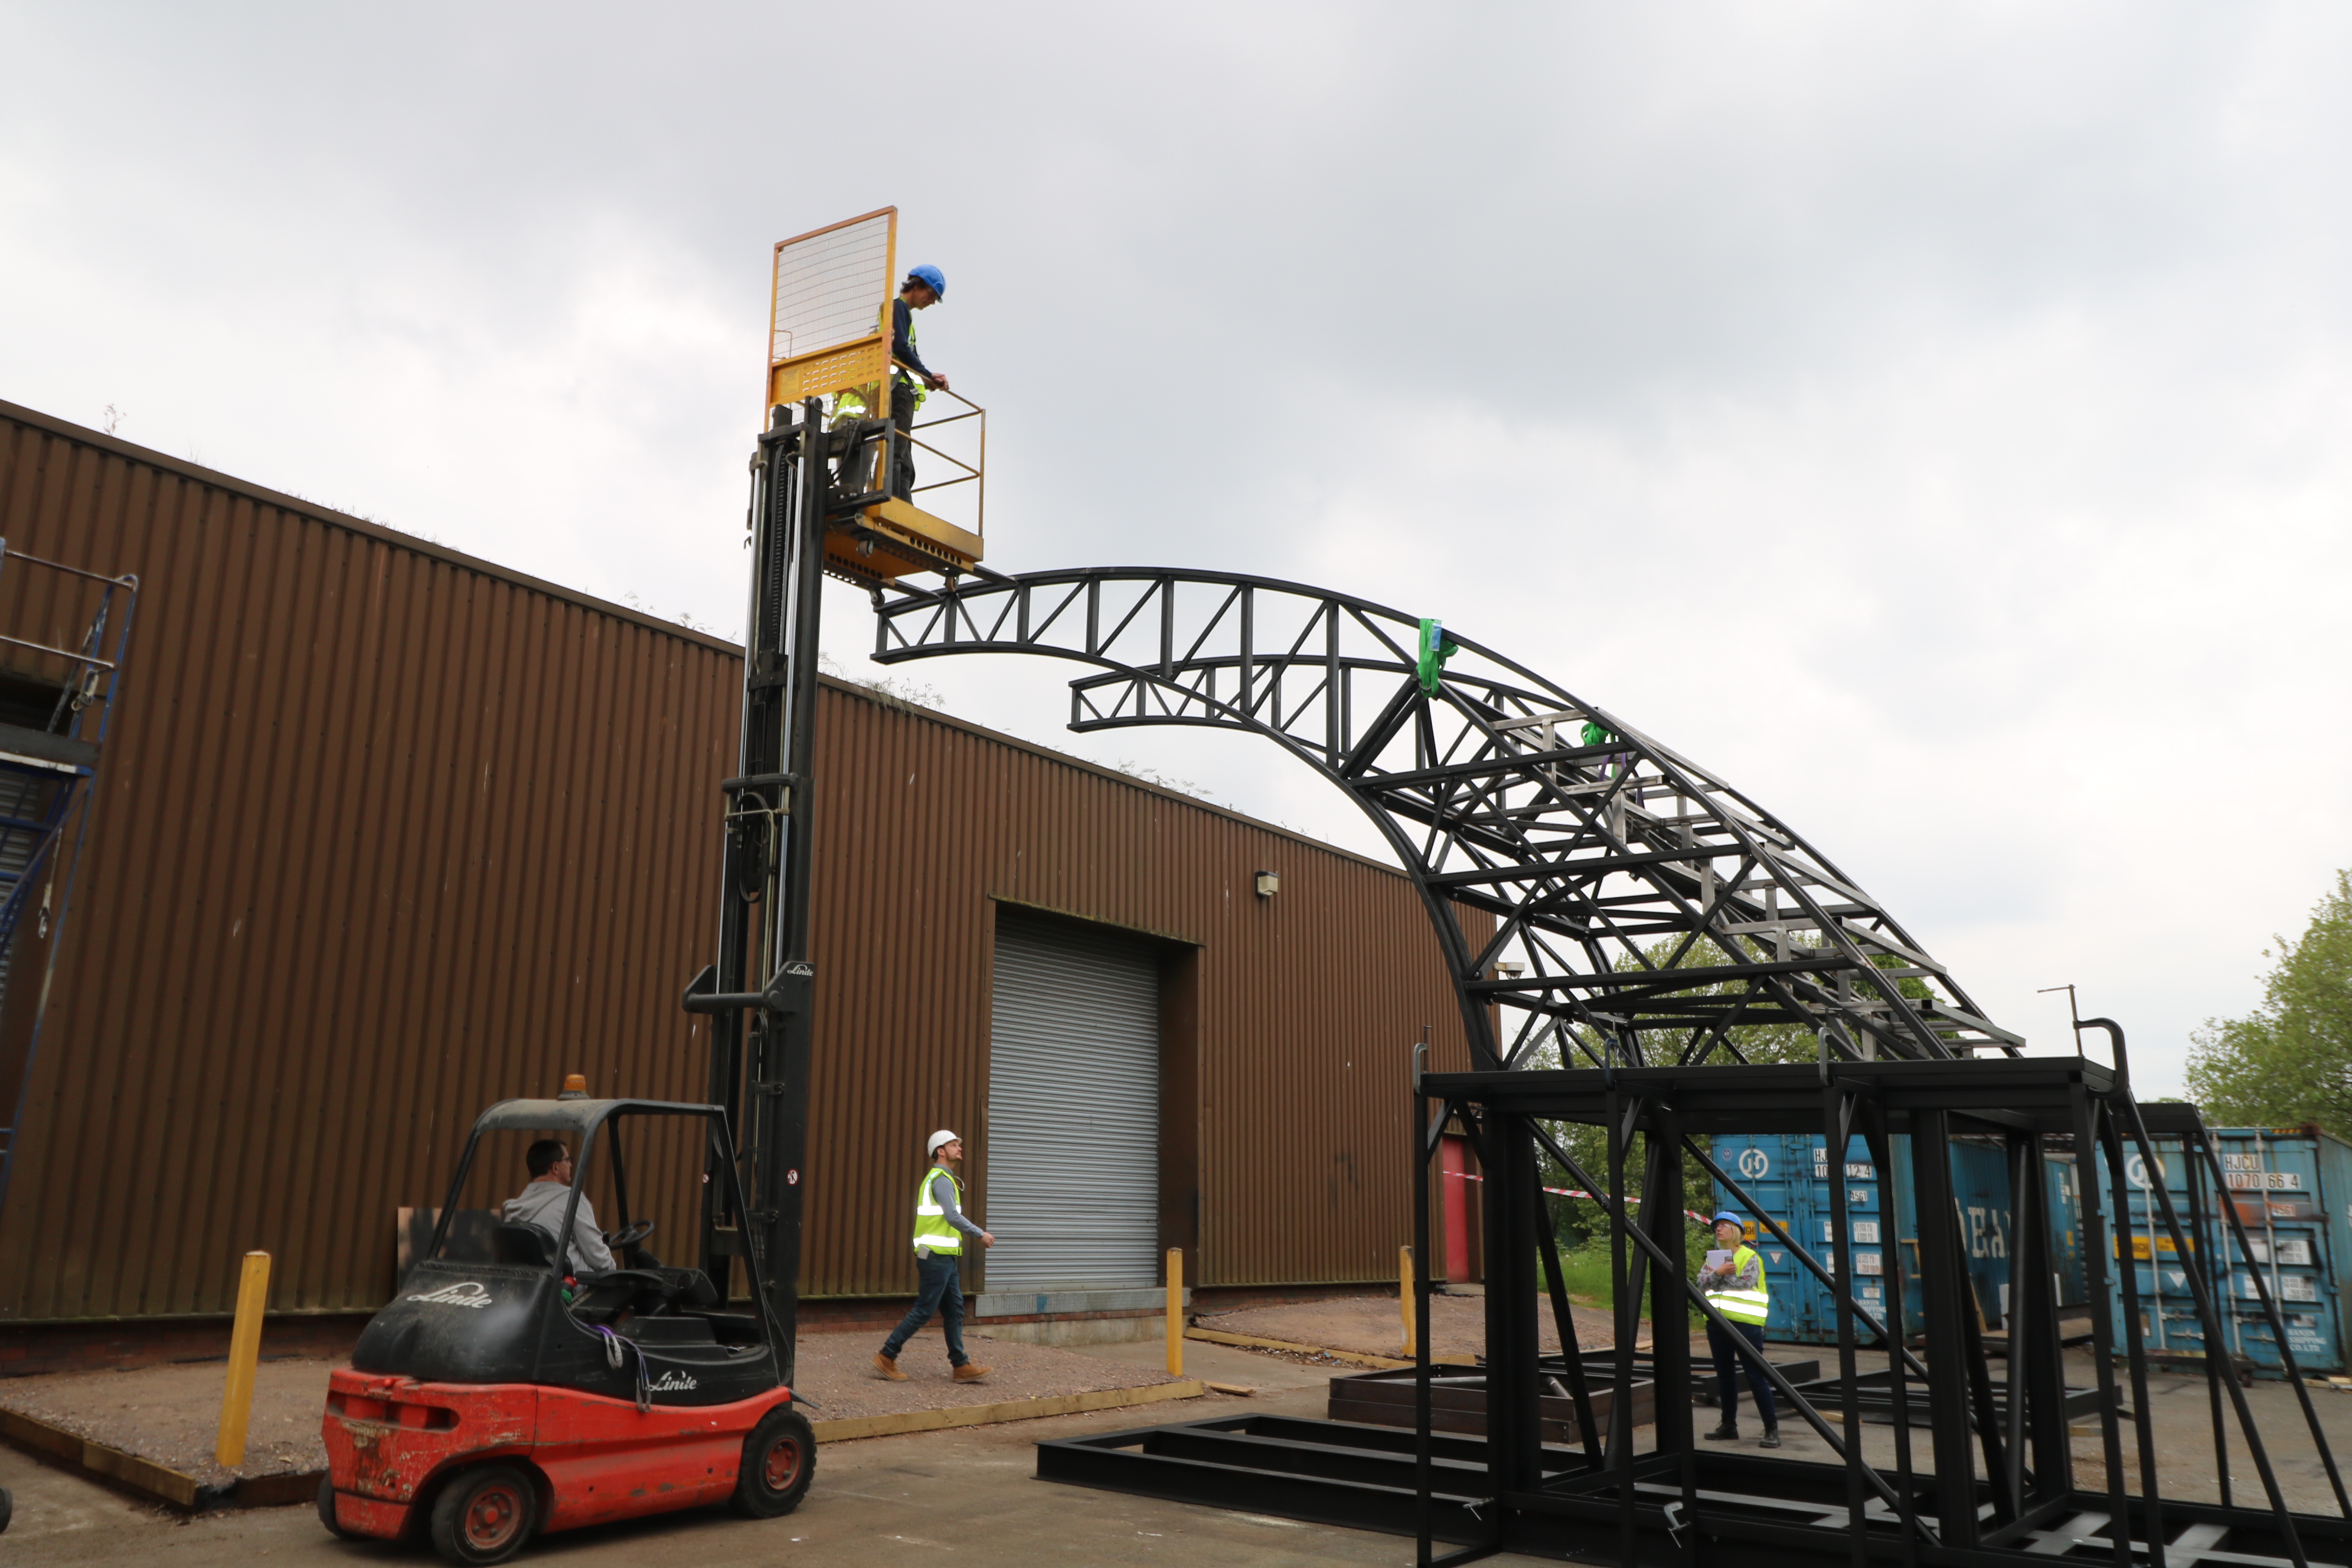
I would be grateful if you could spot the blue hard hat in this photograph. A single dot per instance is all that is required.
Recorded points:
(931, 278)
(1723, 1214)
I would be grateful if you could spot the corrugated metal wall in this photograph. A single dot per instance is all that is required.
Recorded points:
(387, 833)
(1304, 1007)
(384, 835)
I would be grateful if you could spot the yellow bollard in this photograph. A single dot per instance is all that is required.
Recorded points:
(243, 1352)
(1404, 1293)
(1175, 1311)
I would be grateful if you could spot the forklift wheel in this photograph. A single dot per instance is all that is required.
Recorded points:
(779, 1458)
(7, 1507)
(327, 1510)
(483, 1515)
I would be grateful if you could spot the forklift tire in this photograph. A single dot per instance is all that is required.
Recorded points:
(7, 1508)
(484, 1515)
(327, 1510)
(779, 1458)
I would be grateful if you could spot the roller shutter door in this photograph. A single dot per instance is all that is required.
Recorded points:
(1073, 1155)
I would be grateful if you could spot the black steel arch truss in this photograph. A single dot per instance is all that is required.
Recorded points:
(1643, 908)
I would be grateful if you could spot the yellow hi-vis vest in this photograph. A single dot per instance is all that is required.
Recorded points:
(860, 402)
(1744, 1306)
(931, 1226)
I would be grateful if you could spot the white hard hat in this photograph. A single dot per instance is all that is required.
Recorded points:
(941, 1136)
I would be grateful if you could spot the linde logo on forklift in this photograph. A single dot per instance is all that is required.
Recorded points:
(464, 1293)
(671, 1382)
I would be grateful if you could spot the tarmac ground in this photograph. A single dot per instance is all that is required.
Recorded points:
(888, 1503)
(897, 1502)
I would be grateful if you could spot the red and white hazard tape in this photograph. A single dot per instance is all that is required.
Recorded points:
(1576, 1193)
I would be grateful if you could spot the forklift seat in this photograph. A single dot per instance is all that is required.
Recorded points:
(512, 1241)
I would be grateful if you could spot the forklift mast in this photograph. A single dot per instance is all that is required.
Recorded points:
(822, 501)
(759, 992)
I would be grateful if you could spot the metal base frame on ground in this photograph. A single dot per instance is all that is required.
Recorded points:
(1996, 1480)
(1988, 1478)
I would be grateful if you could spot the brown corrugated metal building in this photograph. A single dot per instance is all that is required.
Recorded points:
(385, 833)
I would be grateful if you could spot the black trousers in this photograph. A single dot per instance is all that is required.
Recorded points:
(1729, 1364)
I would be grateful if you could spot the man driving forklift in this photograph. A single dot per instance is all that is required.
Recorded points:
(515, 1389)
(542, 1204)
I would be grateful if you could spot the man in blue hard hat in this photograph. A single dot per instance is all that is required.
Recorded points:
(1736, 1286)
(925, 287)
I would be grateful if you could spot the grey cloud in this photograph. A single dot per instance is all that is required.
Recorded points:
(1932, 418)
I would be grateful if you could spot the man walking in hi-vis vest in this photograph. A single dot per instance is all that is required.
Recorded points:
(940, 1229)
(1736, 1286)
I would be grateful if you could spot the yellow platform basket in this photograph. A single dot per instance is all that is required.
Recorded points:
(829, 334)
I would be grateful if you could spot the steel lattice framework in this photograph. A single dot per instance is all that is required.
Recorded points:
(1643, 908)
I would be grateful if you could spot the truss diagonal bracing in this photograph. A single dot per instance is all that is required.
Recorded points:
(1644, 910)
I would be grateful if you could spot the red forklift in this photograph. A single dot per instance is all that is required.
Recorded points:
(498, 1395)
(502, 1394)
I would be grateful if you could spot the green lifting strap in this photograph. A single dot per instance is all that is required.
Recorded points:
(1436, 648)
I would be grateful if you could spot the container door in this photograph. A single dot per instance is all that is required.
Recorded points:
(1795, 1295)
(2275, 1182)
(1988, 1222)
(2140, 1242)
(2063, 1183)
(1863, 1188)
(1902, 1230)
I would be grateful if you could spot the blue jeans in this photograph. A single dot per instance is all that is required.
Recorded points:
(1728, 1364)
(938, 1288)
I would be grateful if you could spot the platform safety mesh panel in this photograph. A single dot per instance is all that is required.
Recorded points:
(830, 287)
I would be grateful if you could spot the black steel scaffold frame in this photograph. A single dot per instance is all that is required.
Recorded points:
(1607, 862)
(1644, 910)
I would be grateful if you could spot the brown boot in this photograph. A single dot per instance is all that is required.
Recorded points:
(971, 1371)
(886, 1366)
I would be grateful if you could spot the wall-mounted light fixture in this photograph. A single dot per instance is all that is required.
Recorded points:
(1511, 971)
(1269, 884)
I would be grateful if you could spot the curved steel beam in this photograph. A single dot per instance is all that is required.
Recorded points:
(1642, 906)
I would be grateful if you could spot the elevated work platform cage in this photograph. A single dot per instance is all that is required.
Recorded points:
(908, 461)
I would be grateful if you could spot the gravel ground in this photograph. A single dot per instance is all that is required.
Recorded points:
(171, 1414)
(1370, 1325)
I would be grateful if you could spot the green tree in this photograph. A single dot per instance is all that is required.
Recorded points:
(2289, 1060)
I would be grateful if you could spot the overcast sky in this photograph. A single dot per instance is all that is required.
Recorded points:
(1933, 418)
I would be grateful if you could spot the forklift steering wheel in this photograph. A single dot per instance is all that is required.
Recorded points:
(630, 1234)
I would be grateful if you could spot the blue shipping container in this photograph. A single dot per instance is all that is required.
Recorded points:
(1790, 1175)
(2292, 1189)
